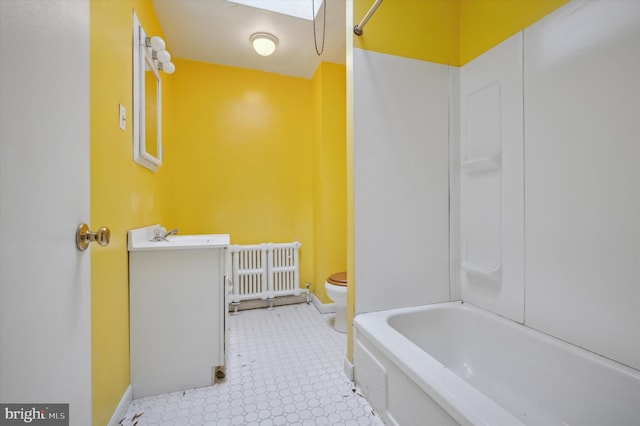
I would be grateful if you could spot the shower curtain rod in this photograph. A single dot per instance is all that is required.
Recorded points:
(357, 30)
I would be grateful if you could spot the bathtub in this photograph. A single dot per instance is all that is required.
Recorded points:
(453, 363)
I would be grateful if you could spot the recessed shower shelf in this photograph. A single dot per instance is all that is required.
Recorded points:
(482, 164)
(493, 274)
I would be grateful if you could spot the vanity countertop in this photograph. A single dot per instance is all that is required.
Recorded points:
(141, 239)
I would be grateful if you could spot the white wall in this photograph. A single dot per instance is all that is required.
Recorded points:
(582, 176)
(580, 88)
(560, 104)
(401, 184)
(491, 175)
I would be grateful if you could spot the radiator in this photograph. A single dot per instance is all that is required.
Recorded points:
(264, 271)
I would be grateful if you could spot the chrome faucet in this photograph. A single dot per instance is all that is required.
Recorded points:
(172, 232)
(160, 236)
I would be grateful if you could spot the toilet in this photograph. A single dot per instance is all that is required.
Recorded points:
(336, 288)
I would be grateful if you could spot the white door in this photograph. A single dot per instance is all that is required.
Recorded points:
(45, 316)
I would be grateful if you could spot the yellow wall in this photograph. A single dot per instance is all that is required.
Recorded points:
(242, 164)
(449, 32)
(329, 174)
(420, 29)
(124, 195)
(486, 23)
(242, 161)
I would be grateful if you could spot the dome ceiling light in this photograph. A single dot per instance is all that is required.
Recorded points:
(264, 43)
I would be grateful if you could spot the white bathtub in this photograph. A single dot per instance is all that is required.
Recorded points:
(453, 363)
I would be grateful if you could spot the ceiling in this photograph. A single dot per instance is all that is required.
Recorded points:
(218, 31)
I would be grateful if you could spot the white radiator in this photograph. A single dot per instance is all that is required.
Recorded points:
(264, 271)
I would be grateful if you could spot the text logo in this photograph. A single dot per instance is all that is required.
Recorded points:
(34, 414)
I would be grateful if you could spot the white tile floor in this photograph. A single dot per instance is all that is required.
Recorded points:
(285, 367)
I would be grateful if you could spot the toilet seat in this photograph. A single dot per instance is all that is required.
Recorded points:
(339, 279)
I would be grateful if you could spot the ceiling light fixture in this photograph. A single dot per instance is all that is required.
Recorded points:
(264, 43)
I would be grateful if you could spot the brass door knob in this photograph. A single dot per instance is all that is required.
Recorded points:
(84, 236)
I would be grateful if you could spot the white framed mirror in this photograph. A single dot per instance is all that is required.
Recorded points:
(147, 102)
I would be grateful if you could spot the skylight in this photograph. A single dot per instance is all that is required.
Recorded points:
(295, 8)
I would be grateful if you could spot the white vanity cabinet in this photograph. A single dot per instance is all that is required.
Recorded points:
(177, 312)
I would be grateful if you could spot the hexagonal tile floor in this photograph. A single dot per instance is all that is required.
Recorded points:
(285, 367)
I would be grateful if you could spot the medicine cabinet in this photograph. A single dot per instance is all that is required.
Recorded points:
(147, 102)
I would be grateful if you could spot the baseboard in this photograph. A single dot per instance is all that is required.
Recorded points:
(323, 308)
(260, 303)
(121, 409)
(348, 368)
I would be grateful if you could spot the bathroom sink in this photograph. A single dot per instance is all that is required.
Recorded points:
(177, 300)
(142, 239)
(203, 239)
